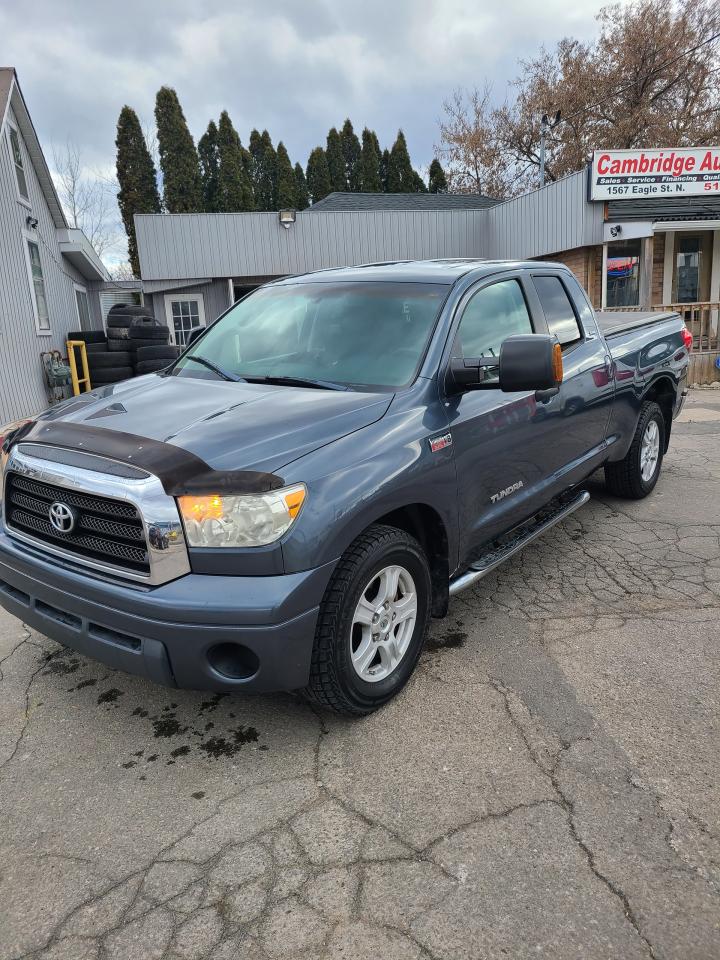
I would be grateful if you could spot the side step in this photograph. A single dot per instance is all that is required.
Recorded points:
(526, 534)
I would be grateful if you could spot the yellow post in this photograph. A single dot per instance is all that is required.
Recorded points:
(84, 381)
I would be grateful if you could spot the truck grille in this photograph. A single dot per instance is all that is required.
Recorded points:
(106, 531)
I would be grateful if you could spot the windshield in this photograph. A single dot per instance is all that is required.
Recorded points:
(357, 335)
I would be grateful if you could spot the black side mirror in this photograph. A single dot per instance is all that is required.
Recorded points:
(530, 362)
(194, 334)
(467, 373)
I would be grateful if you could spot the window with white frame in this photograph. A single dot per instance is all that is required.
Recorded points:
(83, 308)
(37, 282)
(17, 159)
(183, 313)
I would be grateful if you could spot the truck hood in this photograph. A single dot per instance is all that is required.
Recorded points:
(231, 426)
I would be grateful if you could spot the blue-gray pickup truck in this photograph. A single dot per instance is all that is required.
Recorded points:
(288, 504)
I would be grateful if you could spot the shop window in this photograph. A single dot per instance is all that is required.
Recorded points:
(622, 276)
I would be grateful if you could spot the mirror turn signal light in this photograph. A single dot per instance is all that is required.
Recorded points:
(557, 363)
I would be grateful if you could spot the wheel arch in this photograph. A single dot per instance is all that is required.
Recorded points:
(424, 523)
(663, 391)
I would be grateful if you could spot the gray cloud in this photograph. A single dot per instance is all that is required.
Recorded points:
(295, 68)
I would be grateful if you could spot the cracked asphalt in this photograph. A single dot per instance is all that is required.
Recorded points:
(546, 785)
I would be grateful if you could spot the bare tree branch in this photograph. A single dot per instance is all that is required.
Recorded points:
(88, 199)
(648, 80)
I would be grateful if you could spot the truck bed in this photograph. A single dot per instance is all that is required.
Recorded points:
(613, 323)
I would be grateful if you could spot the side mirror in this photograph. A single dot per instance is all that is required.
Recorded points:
(194, 334)
(466, 373)
(532, 362)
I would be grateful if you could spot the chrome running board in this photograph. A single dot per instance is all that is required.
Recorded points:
(526, 534)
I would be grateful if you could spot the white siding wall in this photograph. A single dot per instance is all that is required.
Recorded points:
(558, 217)
(181, 246)
(22, 390)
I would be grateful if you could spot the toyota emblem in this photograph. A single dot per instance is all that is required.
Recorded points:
(62, 517)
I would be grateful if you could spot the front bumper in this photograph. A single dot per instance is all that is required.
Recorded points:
(164, 633)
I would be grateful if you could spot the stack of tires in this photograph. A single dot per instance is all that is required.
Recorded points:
(150, 345)
(104, 366)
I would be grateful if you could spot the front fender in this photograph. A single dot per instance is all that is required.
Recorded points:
(356, 480)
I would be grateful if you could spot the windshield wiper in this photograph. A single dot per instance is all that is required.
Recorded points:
(215, 369)
(299, 382)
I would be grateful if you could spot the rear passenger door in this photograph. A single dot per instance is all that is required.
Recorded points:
(576, 419)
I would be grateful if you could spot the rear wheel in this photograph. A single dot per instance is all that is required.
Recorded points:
(372, 622)
(635, 476)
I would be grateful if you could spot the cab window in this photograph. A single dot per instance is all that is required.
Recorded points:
(493, 314)
(559, 313)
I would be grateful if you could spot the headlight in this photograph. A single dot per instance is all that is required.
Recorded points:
(246, 521)
(4, 434)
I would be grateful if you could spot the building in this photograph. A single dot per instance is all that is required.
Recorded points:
(652, 244)
(51, 279)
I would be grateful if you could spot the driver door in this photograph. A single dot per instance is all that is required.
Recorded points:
(499, 450)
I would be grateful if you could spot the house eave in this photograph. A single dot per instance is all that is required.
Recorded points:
(78, 251)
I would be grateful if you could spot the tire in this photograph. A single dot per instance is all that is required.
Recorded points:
(119, 333)
(148, 332)
(89, 336)
(625, 477)
(334, 681)
(130, 310)
(119, 346)
(165, 351)
(119, 324)
(136, 345)
(96, 348)
(103, 361)
(111, 375)
(151, 366)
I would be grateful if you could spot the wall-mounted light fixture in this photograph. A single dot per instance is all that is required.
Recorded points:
(287, 217)
(31, 222)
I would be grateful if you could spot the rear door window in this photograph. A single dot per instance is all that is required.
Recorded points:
(558, 309)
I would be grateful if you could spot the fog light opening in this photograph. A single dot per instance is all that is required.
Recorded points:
(233, 661)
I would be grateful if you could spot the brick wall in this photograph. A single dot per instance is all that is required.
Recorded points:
(586, 264)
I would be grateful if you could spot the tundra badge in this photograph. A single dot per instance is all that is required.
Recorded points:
(501, 494)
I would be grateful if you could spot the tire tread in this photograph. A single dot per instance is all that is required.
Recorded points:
(622, 478)
(324, 687)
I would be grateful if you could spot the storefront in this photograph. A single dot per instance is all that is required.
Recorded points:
(659, 213)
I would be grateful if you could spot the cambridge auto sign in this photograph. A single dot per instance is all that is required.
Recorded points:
(670, 172)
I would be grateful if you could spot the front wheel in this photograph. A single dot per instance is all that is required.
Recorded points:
(372, 622)
(635, 476)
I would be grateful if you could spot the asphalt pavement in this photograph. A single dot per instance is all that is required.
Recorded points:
(547, 785)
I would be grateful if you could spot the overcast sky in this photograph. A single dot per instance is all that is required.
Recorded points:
(295, 68)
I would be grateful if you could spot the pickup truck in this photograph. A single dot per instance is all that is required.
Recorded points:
(286, 506)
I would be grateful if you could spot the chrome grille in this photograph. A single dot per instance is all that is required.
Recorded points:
(106, 530)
